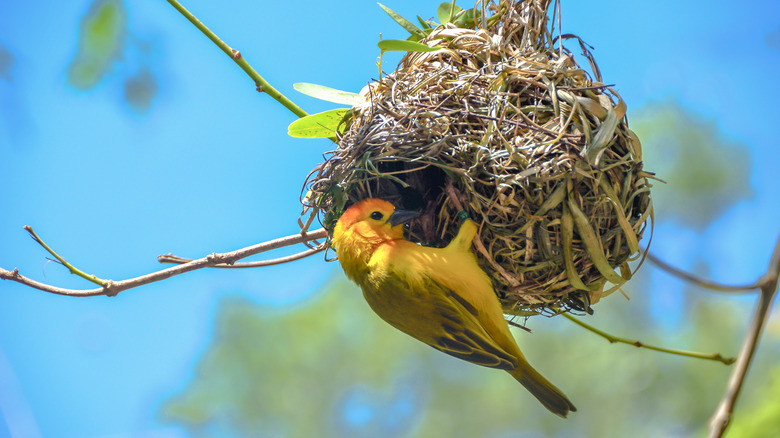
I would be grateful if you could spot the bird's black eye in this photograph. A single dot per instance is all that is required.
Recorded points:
(377, 216)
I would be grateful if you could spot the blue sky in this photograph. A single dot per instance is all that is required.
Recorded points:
(209, 167)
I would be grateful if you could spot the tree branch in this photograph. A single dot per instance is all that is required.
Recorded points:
(111, 288)
(720, 287)
(170, 258)
(261, 84)
(613, 339)
(71, 268)
(768, 283)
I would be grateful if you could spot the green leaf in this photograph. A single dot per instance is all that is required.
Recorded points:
(425, 25)
(467, 19)
(404, 46)
(446, 12)
(406, 24)
(329, 94)
(101, 33)
(320, 125)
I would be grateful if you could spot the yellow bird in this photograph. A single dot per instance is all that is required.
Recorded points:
(439, 296)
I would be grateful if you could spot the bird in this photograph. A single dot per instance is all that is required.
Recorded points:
(440, 296)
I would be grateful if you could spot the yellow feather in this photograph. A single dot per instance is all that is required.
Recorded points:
(439, 296)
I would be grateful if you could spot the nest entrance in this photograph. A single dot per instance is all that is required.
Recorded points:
(540, 151)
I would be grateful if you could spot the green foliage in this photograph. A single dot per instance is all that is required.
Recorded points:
(277, 373)
(762, 418)
(332, 368)
(321, 125)
(451, 13)
(415, 31)
(404, 46)
(329, 94)
(326, 124)
(706, 173)
(446, 13)
(102, 46)
(100, 41)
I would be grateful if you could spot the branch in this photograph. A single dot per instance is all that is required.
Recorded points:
(261, 84)
(720, 287)
(768, 283)
(613, 339)
(170, 258)
(111, 288)
(71, 268)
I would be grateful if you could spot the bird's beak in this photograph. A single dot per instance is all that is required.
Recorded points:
(402, 216)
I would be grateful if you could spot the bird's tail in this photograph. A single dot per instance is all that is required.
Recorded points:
(551, 397)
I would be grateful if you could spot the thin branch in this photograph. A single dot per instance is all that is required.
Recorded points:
(170, 258)
(111, 288)
(723, 413)
(520, 326)
(71, 268)
(720, 287)
(261, 84)
(614, 339)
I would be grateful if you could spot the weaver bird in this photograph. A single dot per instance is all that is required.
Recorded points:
(439, 296)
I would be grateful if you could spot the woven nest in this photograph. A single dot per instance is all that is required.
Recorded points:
(535, 149)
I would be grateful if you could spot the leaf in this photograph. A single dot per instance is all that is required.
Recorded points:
(592, 243)
(329, 94)
(605, 133)
(404, 46)
(447, 13)
(426, 26)
(567, 231)
(406, 24)
(101, 33)
(320, 125)
(466, 19)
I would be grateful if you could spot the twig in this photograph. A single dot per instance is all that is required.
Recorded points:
(723, 413)
(613, 339)
(261, 84)
(170, 258)
(111, 288)
(71, 268)
(700, 281)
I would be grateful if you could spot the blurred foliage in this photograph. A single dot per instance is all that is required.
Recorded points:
(140, 90)
(705, 172)
(105, 42)
(332, 368)
(100, 42)
(6, 63)
(761, 419)
(273, 371)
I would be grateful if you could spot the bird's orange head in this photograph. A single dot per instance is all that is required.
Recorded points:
(363, 227)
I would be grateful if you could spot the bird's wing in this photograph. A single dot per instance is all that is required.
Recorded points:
(422, 306)
(463, 335)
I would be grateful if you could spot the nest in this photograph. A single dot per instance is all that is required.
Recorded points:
(535, 148)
